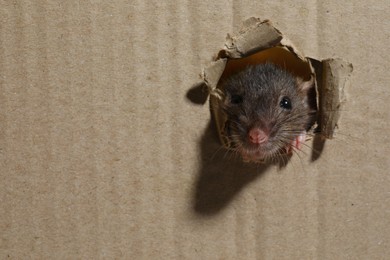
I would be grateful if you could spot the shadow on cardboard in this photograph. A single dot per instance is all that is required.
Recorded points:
(222, 175)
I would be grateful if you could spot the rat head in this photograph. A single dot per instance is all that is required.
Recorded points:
(267, 111)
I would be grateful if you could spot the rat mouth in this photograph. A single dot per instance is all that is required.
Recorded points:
(260, 152)
(255, 153)
(253, 156)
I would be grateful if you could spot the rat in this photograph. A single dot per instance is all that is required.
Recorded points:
(268, 113)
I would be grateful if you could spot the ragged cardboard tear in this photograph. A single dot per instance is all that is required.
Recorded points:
(259, 42)
(331, 92)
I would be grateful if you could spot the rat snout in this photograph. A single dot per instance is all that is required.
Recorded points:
(257, 136)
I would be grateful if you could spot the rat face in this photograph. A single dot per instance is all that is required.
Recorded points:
(267, 112)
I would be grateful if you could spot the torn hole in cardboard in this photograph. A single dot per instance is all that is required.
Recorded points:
(258, 42)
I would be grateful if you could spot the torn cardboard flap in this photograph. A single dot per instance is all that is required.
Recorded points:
(259, 42)
(213, 73)
(335, 76)
(254, 36)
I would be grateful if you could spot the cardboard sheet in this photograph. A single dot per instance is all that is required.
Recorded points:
(104, 156)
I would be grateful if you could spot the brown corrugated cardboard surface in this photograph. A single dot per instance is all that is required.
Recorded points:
(103, 156)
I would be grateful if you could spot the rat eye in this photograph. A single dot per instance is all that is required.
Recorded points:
(285, 103)
(236, 99)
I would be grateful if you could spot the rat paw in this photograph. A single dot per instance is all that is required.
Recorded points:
(297, 142)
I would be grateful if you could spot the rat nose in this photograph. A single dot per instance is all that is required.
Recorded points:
(257, 136)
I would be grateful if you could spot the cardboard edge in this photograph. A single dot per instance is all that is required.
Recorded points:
(254, 36)
(336, 74)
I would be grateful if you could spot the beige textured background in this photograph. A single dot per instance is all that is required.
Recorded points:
(103, 156)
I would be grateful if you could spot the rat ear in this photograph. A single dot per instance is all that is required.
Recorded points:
(304, 86)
